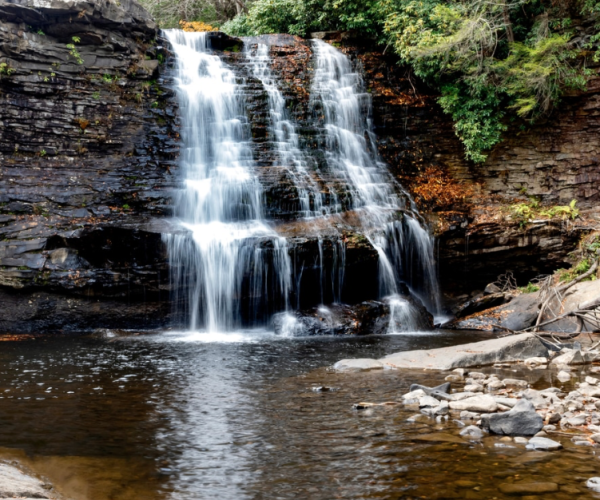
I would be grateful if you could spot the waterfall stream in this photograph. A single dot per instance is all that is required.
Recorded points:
(229, 267)
(404, 247)
(228, 251)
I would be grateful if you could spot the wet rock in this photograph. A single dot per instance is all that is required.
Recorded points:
(563, 376)
(443, 388)
(368, 317)
(521, 440)
(482, 303)
(528, 488)
(358, 364)
(593, 484)
(454, 378)
(513, 348)
(484, 403)
(512, 382)
(521, 420)
(472, 432)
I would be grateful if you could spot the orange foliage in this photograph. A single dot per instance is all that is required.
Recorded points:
(196, 26)
(434, 188)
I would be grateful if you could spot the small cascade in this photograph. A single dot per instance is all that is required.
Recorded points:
(228, 262)
(404, 247)
(283, 130)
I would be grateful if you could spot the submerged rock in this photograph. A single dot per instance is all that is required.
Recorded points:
(543, 444)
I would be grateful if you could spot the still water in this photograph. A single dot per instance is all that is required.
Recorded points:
(185, 416)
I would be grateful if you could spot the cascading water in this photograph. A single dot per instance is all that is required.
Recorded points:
(227, 259)
(404, 247)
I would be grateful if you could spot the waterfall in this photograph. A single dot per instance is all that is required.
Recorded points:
(226, 261)
(404, 247)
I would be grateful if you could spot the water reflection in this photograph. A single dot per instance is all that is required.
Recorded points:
(168, 416)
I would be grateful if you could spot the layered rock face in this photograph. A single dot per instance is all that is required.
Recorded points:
(88, 145)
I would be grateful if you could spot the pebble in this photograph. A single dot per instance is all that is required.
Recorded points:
(477, 375)
(563, 376)
(453, 378)
(473, 388)
(536, 361)
(459, 371)
(549, 428)
(591, 380)
(595, 437)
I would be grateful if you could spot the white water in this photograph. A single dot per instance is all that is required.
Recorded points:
(231, 253)
(351, 151)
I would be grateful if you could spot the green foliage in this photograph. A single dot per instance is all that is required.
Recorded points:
(477, 117)
(530, 288)
(5, 69)
(564, 212)
(73, 52)
(566, 275)
(535, 75)
(299, 17)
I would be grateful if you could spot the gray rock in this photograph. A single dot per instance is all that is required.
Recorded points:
(510, 402)
(543, 444)
(577, 421)
(569, 358)
(482, 403)
(472, 432)
(358, 365)
(521, 420)
(488, 352)
(535, 397)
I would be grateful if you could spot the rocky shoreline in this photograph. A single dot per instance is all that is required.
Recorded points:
(489, 404)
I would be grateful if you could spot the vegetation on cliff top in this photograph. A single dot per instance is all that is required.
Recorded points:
(496, 64)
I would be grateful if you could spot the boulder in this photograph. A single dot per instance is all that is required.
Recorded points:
(487, 352)
(521, 420)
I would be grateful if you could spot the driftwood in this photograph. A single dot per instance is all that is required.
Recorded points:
(556, 292)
